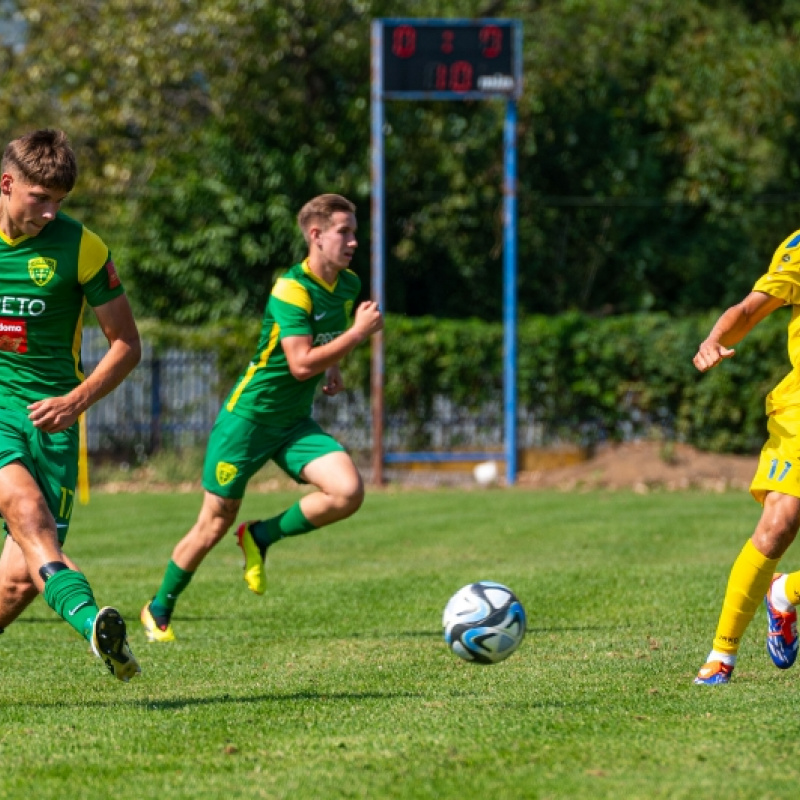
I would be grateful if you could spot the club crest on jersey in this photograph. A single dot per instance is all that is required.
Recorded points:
(225, 473)
(42, 270)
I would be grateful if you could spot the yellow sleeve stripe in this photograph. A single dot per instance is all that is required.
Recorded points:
(92, 257)
(292, 292)
(83, 461)
(76, 343)
(255, 366)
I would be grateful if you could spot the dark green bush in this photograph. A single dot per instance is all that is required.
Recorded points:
(584, 378)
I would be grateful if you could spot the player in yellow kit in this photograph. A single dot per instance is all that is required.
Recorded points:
(776, 484)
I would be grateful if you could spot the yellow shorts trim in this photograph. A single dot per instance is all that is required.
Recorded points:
(779, 463)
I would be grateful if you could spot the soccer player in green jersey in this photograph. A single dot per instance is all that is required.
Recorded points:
(51, 267)
(305, 332)
(776, 484)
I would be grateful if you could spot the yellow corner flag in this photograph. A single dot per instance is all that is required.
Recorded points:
(83, 462)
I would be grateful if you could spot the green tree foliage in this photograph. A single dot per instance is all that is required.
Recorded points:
(582, 378)
(587, 379)
(657, 148)
(201, 129)
(286, 83)
(660, 140)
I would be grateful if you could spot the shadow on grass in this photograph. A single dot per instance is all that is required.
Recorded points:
(56, 621)
(437, 634)
(179, 704)
(226, 699)
(289, 700)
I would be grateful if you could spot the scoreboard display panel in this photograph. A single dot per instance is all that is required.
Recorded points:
(450, 60)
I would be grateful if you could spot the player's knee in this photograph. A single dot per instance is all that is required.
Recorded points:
(216, 529)
(207, 532)
(778, 525)
(216, 518)
(31, 519)
(349, 499)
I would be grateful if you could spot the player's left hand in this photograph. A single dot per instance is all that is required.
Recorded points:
(53, 414)
(333, 381)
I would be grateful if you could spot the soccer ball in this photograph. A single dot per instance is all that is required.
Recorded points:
(484, 622)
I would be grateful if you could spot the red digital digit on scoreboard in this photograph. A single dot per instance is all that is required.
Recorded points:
(460, 76)
(491, 39)
(404, 41)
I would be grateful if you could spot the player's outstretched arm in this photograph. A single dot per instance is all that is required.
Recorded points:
(125, 349)
(732, 326)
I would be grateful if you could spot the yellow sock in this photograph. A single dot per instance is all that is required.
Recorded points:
(749, 581)
(792, 588)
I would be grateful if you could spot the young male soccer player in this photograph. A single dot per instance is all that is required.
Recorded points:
(50, 267)
(267, 415)
(776, 484)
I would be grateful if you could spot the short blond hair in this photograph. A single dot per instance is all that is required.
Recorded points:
(44, 158)
(319, 210)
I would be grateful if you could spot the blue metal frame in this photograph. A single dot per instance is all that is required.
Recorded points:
(431, 457)
(377, 122)
(378, 246)
(510, 288)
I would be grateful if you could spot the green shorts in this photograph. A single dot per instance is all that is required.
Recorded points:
(51, 458)
(239, 447)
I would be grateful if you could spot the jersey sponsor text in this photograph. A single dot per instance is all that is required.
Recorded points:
(325, 338)
(13, 335)
(22, 306)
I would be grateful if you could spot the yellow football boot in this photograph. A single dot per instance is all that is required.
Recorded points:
(253, 559)
(156, 630)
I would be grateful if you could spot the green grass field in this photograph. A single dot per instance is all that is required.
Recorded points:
(337, 683)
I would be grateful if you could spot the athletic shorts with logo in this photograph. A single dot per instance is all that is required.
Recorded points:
(779, 464)
(51, 458)
(238, 448)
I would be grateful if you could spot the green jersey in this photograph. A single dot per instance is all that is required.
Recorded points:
(301, 304)
(45, 283)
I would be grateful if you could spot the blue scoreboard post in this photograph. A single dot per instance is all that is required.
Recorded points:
(447, 59)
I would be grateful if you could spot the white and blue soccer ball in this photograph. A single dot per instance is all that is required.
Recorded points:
(484, 622)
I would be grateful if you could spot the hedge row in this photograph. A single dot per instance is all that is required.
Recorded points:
(583, 378)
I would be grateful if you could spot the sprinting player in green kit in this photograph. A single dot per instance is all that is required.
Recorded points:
(51, 267)
(305, 332)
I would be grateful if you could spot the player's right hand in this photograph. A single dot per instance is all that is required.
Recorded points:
(709, 354)
(368, 318)
(53, 414)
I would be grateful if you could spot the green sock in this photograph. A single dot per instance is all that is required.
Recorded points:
(175, 581)
(68, 593)
(291, 522)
